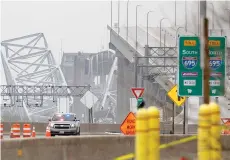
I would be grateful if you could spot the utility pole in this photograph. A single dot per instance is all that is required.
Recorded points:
(203, 49)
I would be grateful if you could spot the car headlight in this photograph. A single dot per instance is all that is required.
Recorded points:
(52, 125)
(73, 125)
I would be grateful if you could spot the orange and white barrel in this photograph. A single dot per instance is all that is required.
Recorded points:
(16, 130)
(26, 130)
(1, 131)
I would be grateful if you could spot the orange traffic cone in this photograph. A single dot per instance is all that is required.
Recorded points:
(48, 132)
(33, 132)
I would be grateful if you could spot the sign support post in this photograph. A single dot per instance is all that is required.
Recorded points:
(138, 92)
(173, 119)
(206, 64)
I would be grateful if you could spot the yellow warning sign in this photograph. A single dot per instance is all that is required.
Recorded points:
(174, 96)
(128, 125)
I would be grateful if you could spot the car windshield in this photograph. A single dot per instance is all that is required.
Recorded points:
(63, 117)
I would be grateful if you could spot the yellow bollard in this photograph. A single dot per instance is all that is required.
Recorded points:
(215, 132)
(141, 142)
(153, 133)
(203, 143)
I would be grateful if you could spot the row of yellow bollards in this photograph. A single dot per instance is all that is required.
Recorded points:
(209, 131)
(147, 134)
(147, 141)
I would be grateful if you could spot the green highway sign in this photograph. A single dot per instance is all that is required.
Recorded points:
(190, 75)
(217, 53)
(140, 103)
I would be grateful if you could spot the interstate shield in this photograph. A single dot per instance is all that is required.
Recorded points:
(189, 62)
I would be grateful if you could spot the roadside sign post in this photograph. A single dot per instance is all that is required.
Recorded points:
(133, 105)
(138, 92)
(89, 100)
(190, 74)
(217, 63)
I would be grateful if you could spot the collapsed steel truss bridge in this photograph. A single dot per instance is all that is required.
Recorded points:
(49, 91)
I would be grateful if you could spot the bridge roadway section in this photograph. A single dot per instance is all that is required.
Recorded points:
(94, 128)
(94, 147)
(127, 48)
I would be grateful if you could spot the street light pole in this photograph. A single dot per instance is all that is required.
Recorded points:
(177, 34)
(136, 25)
(146, 49)
(135, 56)
(147, 42)
(185, 3)
(198, 19)
(118, 17)
(111, 23)
(175, 12)
(160, 28)
(226, 9)
(212, 15)
(127, 30)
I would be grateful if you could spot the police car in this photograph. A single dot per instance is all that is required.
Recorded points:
(64, 124)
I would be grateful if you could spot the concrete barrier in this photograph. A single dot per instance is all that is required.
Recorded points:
(92, 147)
(85, 127)
(96, 128)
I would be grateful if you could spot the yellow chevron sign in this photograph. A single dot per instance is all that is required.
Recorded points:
(174, 96)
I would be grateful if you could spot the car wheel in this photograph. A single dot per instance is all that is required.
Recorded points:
(52, 135)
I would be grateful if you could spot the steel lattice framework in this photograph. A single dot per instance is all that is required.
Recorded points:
(162, 62)
(45, 91)
(108, 93)
(28, 61)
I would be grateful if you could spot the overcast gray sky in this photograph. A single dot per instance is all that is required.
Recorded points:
(82, 25)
